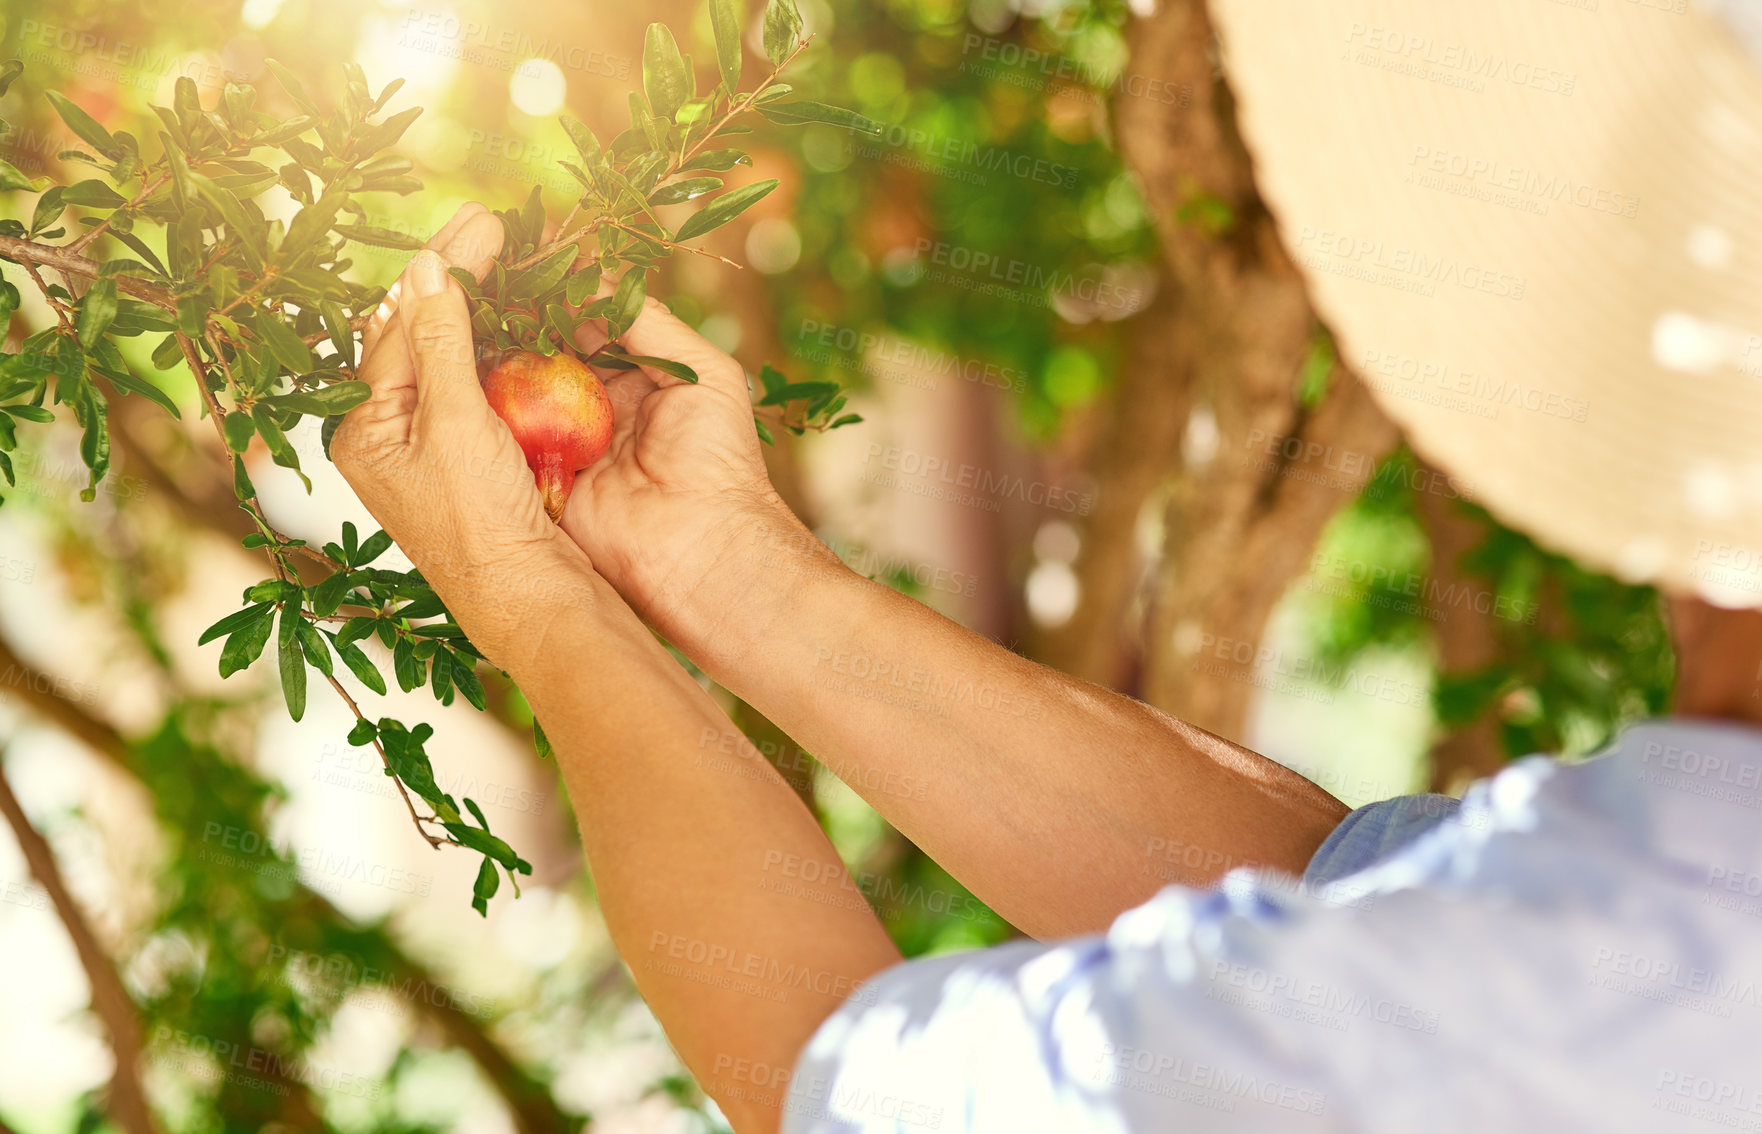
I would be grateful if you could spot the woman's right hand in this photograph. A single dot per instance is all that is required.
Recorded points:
(682, 493)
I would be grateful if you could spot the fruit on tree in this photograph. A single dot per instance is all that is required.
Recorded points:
(558, 411)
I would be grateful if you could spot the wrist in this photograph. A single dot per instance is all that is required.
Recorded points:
(507, 600)
(752, 552)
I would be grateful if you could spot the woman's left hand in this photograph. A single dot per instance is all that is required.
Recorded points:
(435, 465)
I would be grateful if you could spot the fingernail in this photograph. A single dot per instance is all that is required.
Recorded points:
(428, 275)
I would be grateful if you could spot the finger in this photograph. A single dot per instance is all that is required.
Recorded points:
(659, 332)
(472, 245)
(437, 328)
(388, 307)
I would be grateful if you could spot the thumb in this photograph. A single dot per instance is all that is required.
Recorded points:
(437, 327)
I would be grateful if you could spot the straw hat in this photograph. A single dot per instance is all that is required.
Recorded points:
(1535, 227)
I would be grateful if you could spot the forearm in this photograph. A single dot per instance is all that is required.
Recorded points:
(684, 860)
(1054, 800)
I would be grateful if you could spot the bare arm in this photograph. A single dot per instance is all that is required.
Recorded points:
(739, 972)
(1054, 800)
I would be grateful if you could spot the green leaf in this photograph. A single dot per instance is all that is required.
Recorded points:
(363, 733)
(241, 480)
(724, 209)
(342, 336)
(582, 284)
(338, 397)
(665, 366)
(361, 666)
(685, 190)
(49, 209)
(245, 644)
(12, 177)
(93, 194)
(764, 432)
(725, 20)
(280, 449)
(468, 684)
(239, 430)
(664, 77)
(328, 595)
(97, 309)
(85, 126)
(488, 882)
(9, 71)
(31, 413)
(375, 546)
(237, 620)
(312, 645)
(405, 665)
(379, 237)
(442, 677)
(545, 275)
(717, 161)
(292, 86)
(805, 110)
(293, 664)
(626, 301)
(284, 345)
(782, 30)
(585, 140)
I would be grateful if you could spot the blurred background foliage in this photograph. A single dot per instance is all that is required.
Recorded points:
(235, 896)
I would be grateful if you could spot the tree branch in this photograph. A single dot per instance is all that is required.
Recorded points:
(73, 264)
(529, 1100)
(127, 1104)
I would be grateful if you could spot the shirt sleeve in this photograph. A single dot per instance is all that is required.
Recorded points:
(1104, 1034)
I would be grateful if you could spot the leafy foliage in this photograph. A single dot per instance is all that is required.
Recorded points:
(261, 309)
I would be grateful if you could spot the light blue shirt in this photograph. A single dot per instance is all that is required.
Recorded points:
(1570, 948)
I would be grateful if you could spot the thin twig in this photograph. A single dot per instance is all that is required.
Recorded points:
(127, 1104)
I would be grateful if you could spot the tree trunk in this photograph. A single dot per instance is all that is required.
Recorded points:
(1260, 475)
(1466, 640)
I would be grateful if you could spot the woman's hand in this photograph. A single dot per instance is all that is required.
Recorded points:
(682, 492)
(438, 469)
